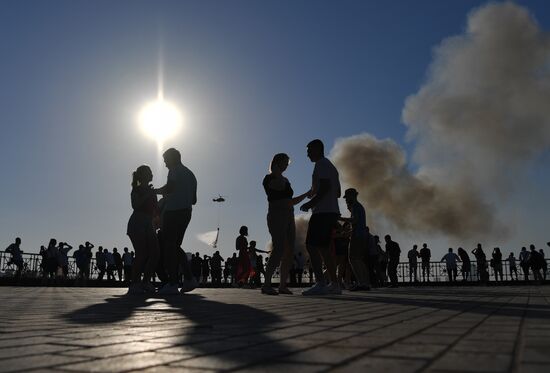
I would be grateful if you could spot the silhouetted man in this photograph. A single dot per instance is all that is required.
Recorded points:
(216, 268)
(118, 263)
(451, 260)
(394, 251)
(234, 266)
(127, 262)
(358, 246)
(543, 263)
(16, 258)
(426, 255)
(196, 266)
(100, 262)
(88, 259)
(524, 262)
(63, 258)
(535, 262)
(513, 268)
(110, 259)
(180, 194)
(325, 191)
(413, 256)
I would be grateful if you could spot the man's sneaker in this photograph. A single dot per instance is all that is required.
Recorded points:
(317, 289)
(189, 285)
(334, 289)
(135, 288)
(268, 290)
(169, 289)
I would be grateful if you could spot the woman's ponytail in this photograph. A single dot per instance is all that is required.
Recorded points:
(135, 181)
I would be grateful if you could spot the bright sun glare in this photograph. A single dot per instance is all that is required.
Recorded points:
(160, 120)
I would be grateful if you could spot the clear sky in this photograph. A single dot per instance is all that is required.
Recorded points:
(252, 78)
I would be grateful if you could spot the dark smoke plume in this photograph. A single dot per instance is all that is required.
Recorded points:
(378, 170)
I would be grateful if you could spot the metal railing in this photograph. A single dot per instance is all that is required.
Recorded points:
(33, 267)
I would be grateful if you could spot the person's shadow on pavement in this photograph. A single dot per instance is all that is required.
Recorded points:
(208, 326)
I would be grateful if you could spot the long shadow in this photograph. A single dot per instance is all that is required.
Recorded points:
(468, 302)
(208, 326)
(497, 292)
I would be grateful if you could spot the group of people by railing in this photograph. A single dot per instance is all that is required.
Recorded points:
(533, 261)
(54, 265)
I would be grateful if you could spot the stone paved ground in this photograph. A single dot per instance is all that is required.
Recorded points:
(474, 329)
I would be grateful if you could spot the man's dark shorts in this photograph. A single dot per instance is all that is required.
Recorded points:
(320, 227)
(174, 225)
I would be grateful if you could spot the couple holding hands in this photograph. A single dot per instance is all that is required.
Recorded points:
(324, 193)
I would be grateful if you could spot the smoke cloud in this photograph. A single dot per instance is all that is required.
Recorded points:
(478, 123)
(207, 237)
(302, 221)
(484, 108)
(378, 170)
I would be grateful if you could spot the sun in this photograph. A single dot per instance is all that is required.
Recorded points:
(160, 120)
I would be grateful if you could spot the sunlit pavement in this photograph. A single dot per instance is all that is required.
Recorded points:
(485, 329)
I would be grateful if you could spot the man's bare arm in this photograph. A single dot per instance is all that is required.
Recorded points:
(324, 187)
(166, 189)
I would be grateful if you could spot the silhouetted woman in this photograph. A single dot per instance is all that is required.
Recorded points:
(382, 262)
(497, 263)
(466, 264)
(142, 232)
(205, 268)
(244, 268)
(481, 261)
(52, 254)
(280, 222)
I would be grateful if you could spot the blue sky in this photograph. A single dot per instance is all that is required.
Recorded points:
(252, 79)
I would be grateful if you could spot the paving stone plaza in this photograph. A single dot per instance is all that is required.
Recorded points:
(445, 329)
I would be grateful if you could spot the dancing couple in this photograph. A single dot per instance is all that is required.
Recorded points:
(180, 194)
(324, 193)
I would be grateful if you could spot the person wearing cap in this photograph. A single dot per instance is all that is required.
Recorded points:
(357, 250)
